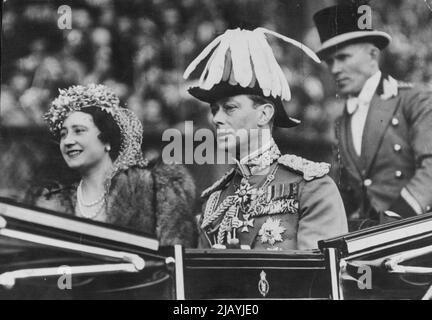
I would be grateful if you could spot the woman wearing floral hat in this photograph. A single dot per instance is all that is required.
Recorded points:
(102, 142)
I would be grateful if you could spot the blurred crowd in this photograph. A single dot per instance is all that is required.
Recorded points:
(141, 48)
(409, 57)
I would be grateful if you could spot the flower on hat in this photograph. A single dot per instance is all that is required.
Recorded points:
(77, 97)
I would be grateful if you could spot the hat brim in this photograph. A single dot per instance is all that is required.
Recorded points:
(225, 90)
(379, 38)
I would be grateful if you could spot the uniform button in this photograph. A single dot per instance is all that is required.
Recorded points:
(398, 174)
(367, 182)
(395, 122)
(397, 147)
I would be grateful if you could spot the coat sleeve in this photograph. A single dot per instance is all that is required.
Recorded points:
(417, 107)
(322, 214)
(175, 196)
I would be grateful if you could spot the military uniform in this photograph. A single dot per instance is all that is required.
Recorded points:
(396, 155)
(272, 202)
(268, 201)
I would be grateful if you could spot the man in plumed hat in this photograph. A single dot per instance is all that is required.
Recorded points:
(384, 134)
(267, 200)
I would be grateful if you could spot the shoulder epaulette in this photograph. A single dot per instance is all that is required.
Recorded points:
(309, 169)
(218, 184)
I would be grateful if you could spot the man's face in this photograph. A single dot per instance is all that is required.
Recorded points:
(351, 66)
(234, 117)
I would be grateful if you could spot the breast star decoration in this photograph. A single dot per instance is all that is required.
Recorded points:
(271, 231)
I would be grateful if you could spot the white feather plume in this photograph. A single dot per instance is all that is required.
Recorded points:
(241, 66)
(244, 57)
(259, 63)
(274, 74)
(217, 65)
(296, 43)
(192, 66)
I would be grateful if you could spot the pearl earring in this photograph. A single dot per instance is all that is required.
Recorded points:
(108, 148)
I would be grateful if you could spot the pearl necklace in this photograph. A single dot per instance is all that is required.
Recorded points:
(91, 204)
(99, 204)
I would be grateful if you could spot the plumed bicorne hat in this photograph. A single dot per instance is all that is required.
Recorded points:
(242, 62)
(339, 26)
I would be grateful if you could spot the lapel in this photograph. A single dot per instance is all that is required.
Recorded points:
(377, 121)
(343, 146)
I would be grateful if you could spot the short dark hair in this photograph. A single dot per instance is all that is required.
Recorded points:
(259, 100)
(110, 131)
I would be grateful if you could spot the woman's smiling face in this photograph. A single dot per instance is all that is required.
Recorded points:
(79, 142)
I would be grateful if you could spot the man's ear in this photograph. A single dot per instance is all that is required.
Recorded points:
(266, 114)
(374, 52)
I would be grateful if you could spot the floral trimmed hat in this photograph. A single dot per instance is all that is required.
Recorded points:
(76, 98)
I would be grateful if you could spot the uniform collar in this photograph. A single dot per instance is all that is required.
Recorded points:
(259, 159)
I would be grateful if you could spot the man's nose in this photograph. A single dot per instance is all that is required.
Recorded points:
(335, 67)
(218, 118)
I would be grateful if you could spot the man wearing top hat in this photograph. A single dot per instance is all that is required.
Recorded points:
(384, 135)
(267, 200)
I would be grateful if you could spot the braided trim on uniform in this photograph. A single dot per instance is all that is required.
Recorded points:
(223, 207)
(226, 223)
(211, 204)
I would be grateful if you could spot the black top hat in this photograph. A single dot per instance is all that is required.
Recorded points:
(339, 25)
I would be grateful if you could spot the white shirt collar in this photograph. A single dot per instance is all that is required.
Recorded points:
(358, 108)
(366, 94)
(370, 87)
